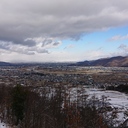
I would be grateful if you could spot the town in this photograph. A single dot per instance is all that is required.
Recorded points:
(73, 88)
(40, 75)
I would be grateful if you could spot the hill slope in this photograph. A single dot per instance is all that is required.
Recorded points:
(117, 61)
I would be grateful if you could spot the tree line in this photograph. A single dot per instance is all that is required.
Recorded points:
(24, 107)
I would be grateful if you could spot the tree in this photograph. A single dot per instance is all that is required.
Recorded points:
(18, 98)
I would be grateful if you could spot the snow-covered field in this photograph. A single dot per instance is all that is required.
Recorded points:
(117, 100)
(114, 98)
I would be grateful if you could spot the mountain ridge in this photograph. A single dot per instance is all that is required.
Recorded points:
(117, 61)
(5, 63)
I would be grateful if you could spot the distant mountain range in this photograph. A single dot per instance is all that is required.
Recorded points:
(117, 61)
(5, 64)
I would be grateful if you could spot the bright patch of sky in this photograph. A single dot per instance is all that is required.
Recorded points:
(107, 41)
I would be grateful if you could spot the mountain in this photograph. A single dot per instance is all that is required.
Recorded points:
(117, 61)
(5, 63)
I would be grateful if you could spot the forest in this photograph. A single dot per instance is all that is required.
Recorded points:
(25, 107)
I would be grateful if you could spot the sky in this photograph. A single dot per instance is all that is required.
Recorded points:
(62, 30)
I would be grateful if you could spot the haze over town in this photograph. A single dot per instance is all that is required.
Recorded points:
(62, 31)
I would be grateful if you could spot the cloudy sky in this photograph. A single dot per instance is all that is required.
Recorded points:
(62, 30)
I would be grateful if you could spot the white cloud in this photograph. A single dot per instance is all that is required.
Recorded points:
(118, 37)
(55, 56)
(124, 48)
(69, 46)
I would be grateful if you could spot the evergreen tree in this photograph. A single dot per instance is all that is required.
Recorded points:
(18, 98)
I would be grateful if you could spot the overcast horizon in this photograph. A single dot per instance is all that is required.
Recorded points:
(62, 31)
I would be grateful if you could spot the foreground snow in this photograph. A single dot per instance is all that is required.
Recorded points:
(117, 100)
(3, 125)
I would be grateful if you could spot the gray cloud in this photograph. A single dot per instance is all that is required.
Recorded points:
(23, 22)
(41, 45)
(56, 43)
(18, 48)
(44, 42)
